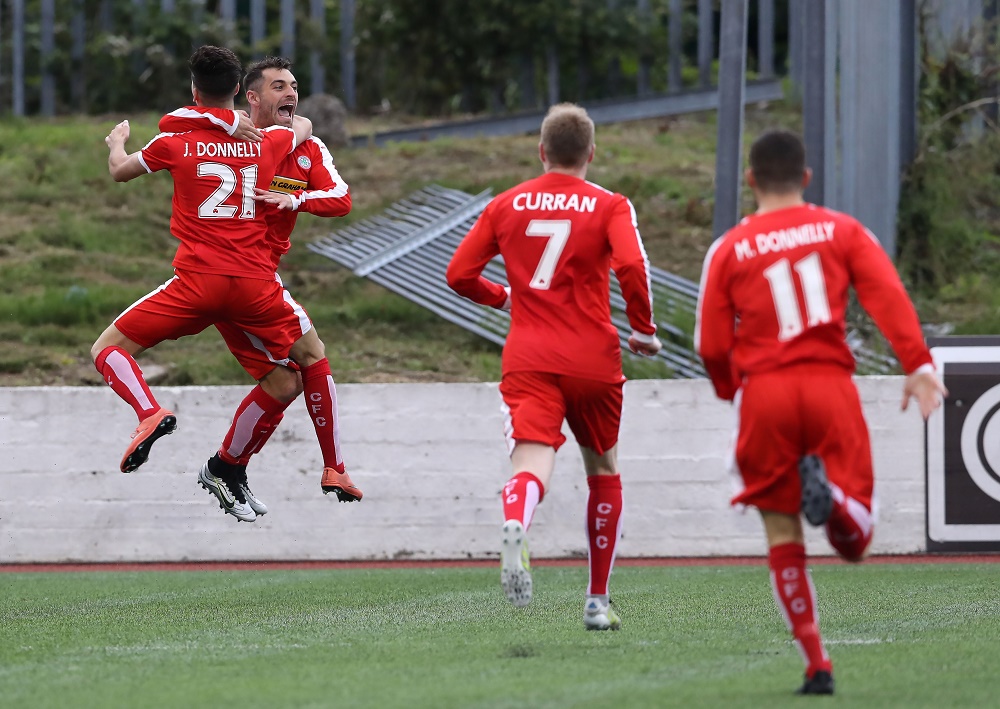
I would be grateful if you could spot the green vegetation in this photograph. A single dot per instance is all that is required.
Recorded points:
(899, 635)
(77, 248)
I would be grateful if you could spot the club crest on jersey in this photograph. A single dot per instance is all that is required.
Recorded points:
(304, 162)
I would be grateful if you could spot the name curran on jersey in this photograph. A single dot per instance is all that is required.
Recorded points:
(241, 149)
(784, 239)
(549, 202)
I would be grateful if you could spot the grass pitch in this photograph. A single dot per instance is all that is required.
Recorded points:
(899, 635)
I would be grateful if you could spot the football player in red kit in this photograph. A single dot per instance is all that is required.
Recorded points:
(559, 237)
(771, 330)
(306, 180)
(223, 266)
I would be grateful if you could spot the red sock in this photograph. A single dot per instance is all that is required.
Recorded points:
(849, 529)
(521, 496)
(604, 514)
(321, 402)
(262, 433)
(796, 599)
(123, 375)
(253, 415)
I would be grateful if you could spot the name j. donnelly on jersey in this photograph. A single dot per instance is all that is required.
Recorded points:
(240, 149)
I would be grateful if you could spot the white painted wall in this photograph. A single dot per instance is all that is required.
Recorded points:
(431, 461)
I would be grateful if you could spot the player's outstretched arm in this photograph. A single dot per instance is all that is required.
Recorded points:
(122, 166)
(303, 128)
(924, 386)
(226, 120)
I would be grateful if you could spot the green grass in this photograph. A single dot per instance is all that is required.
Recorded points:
(899, 635)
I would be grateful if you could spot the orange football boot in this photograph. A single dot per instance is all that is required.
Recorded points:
(341, 484)
(162, 423)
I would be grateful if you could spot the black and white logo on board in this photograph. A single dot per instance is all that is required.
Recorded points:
(963, 447)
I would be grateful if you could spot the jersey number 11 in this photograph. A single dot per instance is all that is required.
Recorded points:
(786, 303)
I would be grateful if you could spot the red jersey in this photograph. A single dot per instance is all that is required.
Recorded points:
(559, 237)
(774, 292)
(307, 174)
(214, 215)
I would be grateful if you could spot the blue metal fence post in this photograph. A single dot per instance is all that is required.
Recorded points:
(765, 39)
(288, 29)
(706, 44)
(675, 78)
(732, 87)
(348, 73)
(48, 46)
(317, 16)
(227, 14)
(644, 16)
(78, 29)
(17, 58)
(814, 98)
(258, 27)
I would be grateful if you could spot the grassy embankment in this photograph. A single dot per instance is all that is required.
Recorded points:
(76, 248)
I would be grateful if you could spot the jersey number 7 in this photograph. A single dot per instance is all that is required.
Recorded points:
(557, 233)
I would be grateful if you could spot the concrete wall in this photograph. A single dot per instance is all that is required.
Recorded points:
(430, 459)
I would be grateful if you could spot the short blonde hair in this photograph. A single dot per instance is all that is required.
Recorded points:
(567, 135)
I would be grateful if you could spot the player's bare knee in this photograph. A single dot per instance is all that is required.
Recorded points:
(282, 383)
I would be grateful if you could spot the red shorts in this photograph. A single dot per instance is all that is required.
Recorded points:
(190, 302)
(801, 410)
(535, 404)
(244, 345)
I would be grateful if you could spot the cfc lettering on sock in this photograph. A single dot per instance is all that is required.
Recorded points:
(601, 542)
(604, 508)
(600, 522)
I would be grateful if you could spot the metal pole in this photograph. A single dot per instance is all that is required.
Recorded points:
(77, 53)
(765, 39)
(645, 68)
(706, 50)
(814, 98)
(796, 56)
(552, 72)
(258, 27)
(317, 14)
(348, 74)
(17, 57)
(614, 61)
(909, 75)
(830, 179)
(288, 29)
(732, 87)
(3, 88)
(227, 13)
(48, 46)
(676, 49)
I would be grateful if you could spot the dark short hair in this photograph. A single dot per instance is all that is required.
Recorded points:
(778, 161)
(255, 72)
(215, 71)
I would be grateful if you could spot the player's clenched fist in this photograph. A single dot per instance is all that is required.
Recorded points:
(642, 344)
(118, 134)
